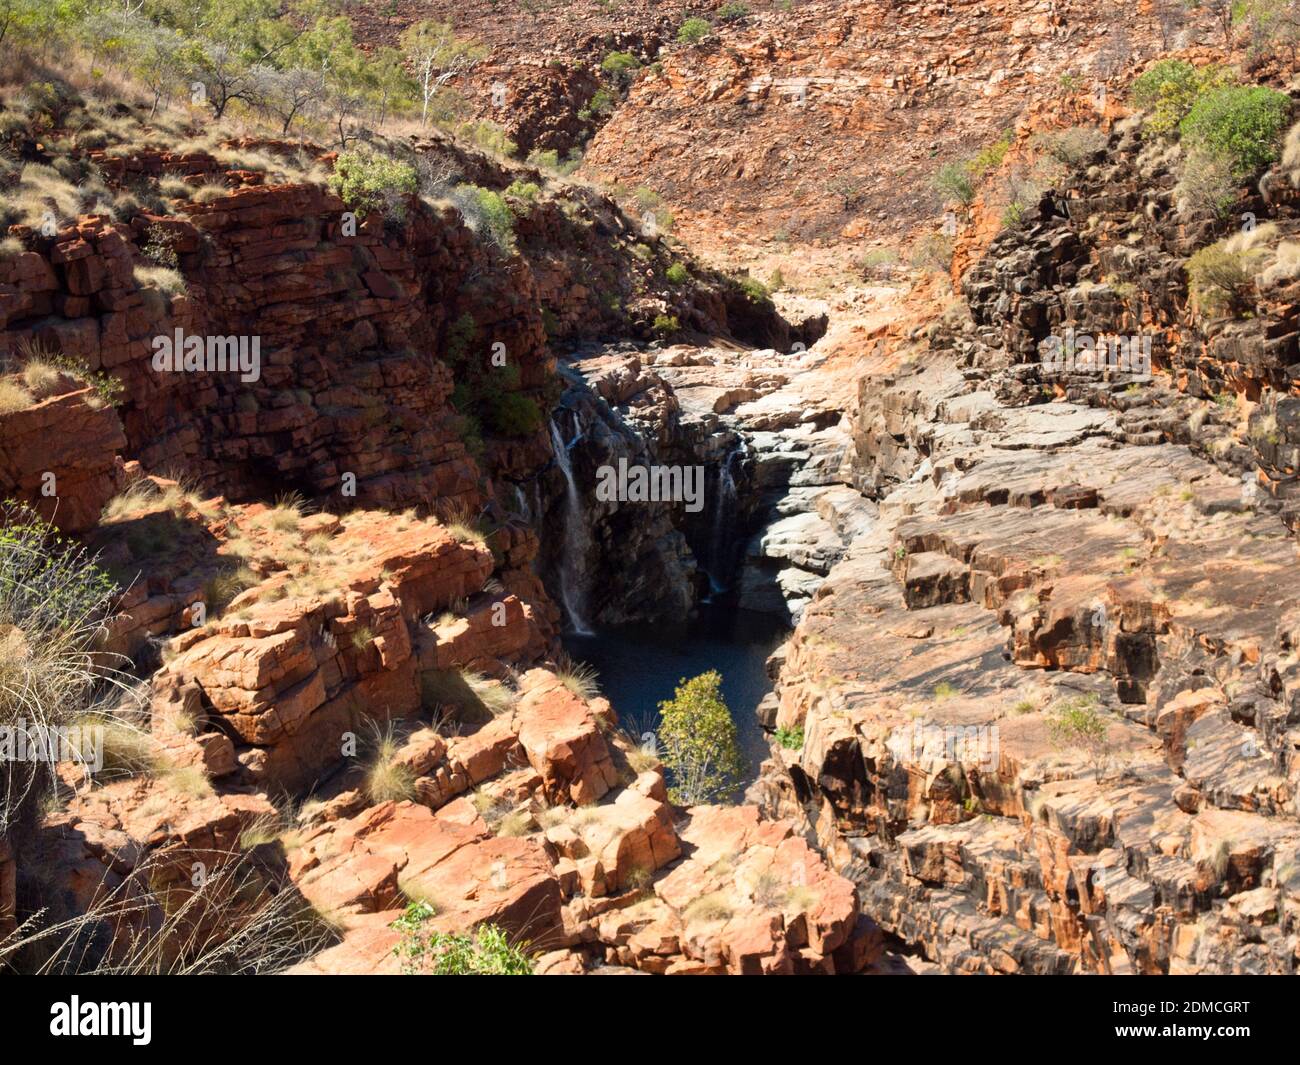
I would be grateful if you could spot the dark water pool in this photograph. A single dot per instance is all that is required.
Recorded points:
(640, 665)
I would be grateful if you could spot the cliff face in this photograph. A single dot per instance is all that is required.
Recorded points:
(1048, 701)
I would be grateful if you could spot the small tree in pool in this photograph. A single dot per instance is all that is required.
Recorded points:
(698, 738)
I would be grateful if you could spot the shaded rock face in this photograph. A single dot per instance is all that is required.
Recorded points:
(772, 515)
(609, 561)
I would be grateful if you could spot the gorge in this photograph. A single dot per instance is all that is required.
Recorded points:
(653, 342)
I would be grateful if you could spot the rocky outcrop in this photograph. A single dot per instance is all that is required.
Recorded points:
(1043, 701)
(595, 885)
(62, 455)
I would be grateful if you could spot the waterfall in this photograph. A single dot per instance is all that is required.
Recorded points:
(723, 505)
(577, 541)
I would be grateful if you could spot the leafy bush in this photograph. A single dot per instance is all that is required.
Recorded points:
(1242, 123)
(790, 738)
(755, 291)
(733, 10)
(486, 952)
(1171, 87)
(698, 737)
(488, 211)
(513, 414)
(368, 181)
(953, 182)
(619, 65)
(693, 30)
(601, 103)
(47, 583)
(528, 191)
(677, 274)
(666, 325)
(489, 136)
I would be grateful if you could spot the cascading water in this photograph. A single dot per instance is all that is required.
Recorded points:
(720, 549)
(577, 541)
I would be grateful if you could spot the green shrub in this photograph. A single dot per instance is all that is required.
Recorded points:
(1242, 123)
(485, 952)
(601, 103)
(514, 414)
(528, 191)
(47, 583)
(791, 738)
(1171, 87)
(367, 181)
(460, 337)
(677, 274)
(991, 156)
(698, 738)
(54, 602)
(666, 325)
(1222, 275)
(953, 182)
(619, 64)
(755, 291)
(488, 211)
(489, 136)
(733, 10)
(693, 30)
